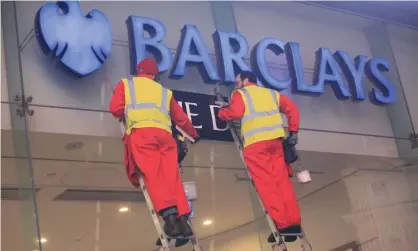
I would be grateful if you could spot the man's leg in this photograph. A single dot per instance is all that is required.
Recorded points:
(179, 242)
(182, 202)
(169, 164)
(285, 186)
(291, 219)
(147, 155)
(259, 163)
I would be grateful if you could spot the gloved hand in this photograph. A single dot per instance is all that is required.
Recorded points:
(292, 139)
(197, 139)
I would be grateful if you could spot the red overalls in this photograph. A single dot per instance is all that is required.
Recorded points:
(266, 165)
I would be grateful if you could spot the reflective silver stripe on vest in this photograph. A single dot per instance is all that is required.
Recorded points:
(262, 129)
(135, 106)
(252, 113)
(149, 120)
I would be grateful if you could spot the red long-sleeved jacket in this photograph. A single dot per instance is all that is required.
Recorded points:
(117, 108)
(236, 110)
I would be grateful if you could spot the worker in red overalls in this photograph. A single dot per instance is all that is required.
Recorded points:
(263, 133)
(147, 109)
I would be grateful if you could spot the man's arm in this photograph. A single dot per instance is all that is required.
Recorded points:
(117, 102)
(290, 109)
(180, 119)
(236, 108)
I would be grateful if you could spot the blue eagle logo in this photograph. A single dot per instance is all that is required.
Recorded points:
(82, 43)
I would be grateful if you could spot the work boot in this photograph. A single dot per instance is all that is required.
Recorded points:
(181, 242)
(171, 227)
(178, 242)
(185, 226)
(294, 229)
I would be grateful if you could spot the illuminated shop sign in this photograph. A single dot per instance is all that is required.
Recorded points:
(146, 37)
(82, 43)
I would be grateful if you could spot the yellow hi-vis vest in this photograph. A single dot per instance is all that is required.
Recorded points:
(262, 119)
(147, 104)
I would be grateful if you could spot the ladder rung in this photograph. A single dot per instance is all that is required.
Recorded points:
(297, 234)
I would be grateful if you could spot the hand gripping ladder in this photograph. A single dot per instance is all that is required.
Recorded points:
(280, 244)
(165, 243)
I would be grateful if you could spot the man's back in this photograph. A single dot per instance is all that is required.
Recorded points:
(148, 90)
(262, 119)
(147, 104)
(262, 98)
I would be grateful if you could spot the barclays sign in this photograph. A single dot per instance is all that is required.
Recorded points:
(84, 43)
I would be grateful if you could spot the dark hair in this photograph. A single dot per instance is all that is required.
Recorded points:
(248, 75)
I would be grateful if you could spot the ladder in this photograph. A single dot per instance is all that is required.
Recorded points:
(165, 243)
(280, 244)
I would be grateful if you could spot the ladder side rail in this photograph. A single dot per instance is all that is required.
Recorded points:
(195, 240)
(157, 223)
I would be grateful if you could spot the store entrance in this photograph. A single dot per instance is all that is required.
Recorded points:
(85, 202)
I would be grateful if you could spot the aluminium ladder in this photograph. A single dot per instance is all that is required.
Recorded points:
(165, 244)
(280, 244)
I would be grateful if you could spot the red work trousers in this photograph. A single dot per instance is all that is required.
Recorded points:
(270, 173)
(155, 153)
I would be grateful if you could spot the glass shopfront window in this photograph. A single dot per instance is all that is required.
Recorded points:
(63, 178)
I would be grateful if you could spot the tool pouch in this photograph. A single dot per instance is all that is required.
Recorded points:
(181, 150)
(290, 153)
(181, 145)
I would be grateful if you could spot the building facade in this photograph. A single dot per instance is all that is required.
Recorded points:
(352, 77)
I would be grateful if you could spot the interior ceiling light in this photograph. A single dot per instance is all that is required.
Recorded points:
(123, 209)
(207, 222)
(43, 240)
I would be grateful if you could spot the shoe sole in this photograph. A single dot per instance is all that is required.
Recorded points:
(174, 236)
(186, 239)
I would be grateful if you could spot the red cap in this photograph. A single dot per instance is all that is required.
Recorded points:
(147, 66)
